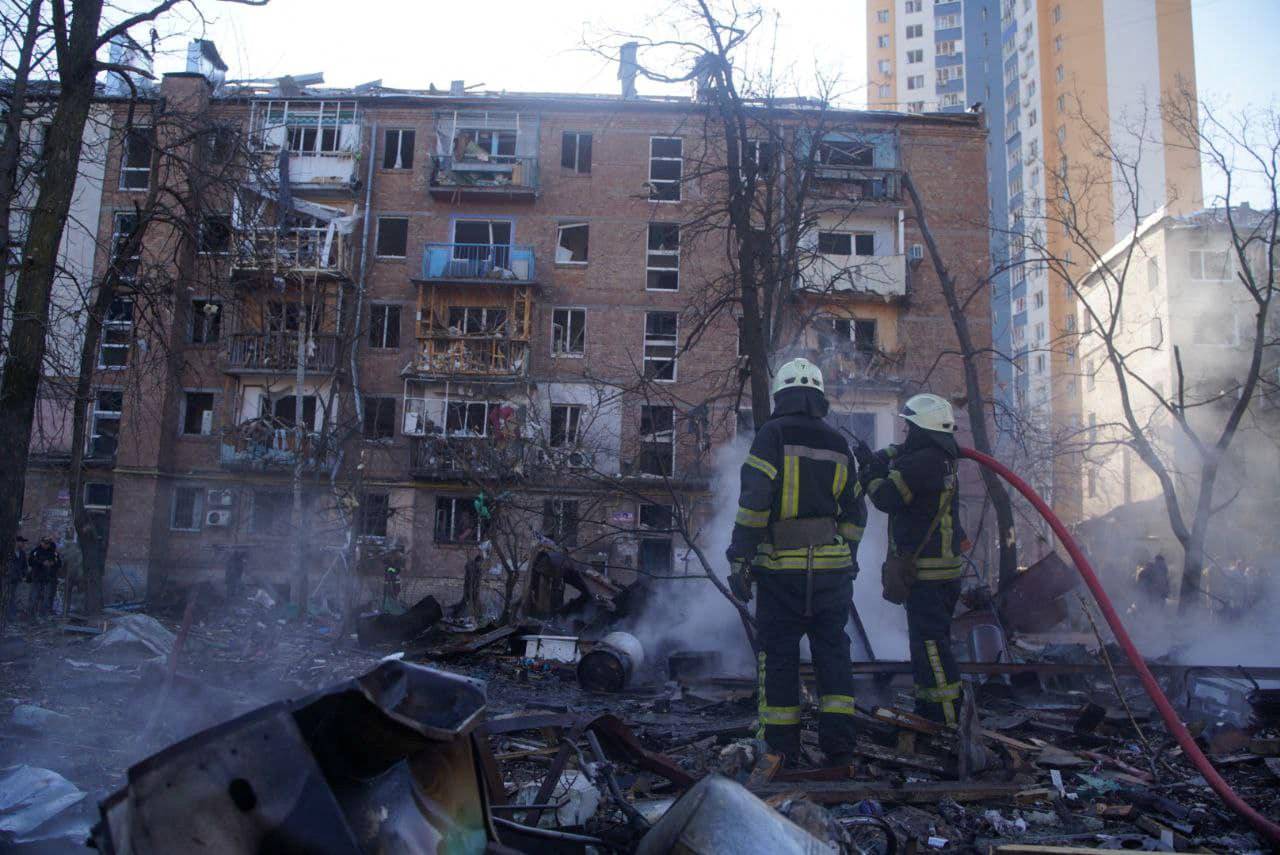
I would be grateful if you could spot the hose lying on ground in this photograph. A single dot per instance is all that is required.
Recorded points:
(1266, 827)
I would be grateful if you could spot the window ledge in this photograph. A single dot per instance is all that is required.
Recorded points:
(572, 264)
(568, 355)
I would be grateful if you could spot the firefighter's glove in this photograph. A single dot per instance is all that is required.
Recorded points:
(740, 580)
(862, 454)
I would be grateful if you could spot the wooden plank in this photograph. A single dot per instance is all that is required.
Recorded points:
(848, 792)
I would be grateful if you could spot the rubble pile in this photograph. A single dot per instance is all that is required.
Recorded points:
(423, 731)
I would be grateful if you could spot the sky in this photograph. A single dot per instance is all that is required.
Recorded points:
(540, 46)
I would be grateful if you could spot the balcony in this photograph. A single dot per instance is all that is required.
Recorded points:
(857, 183)
(882, 276)
(439, 458)
(478, 262)
(447, 355)
(277, 353)
(319, 172)
(267, 444)
(502, 176)
(311, 251)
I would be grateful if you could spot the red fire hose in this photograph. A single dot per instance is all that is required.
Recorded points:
(1266, 827)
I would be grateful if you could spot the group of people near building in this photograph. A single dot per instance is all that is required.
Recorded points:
(31, 578)
(800, 520)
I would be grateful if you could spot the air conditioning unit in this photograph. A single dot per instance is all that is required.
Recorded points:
(579, 459)
(916, 252)
(217, 519)
(221, 498)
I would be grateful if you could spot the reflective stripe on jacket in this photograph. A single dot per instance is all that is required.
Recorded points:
(921, 481)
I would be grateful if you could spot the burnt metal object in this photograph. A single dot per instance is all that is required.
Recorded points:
(1033, 602)
(380, 763)
(610, 666)
(719, 815)
(384, 628)
(552, 571)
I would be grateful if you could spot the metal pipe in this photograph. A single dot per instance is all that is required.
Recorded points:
(548, 833)
(1264, 826)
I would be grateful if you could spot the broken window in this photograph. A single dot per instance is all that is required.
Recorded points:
(483, 144)
(566, 419)
(215, 233)
(285, 410)
(760, 154)
(457, 520)
(286, 317)
(845, 153)
(97, 495)
(666, 168)
(117, 334)
(125, 262)
(384, 326)
(206, 321)
(397, 148)
(135, 159)
(375, 513)
(660, 336)
(657, 440)
(477, 320)
(662, 264)
(197, 413)
(393, 237)
(571, 243)
(568, 332)
(575, 151)
(1204, 265)
(220, 144)
(862, 332)
(272, 512)
(467, 418)
(560, 521)
(187, 504)
(379, 417)
(656, 524)
(482, 244)
(104, 422)
(835, 243)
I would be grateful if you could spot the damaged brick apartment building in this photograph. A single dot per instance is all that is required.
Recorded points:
(484, 294)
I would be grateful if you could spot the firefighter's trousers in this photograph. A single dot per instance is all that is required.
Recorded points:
(781, 621)
(930, 606)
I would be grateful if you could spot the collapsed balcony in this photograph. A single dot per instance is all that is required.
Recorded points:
(857, 167)
(313, 144)
(483, 155)
(269, 443)
(459, 458)
(473, 331)
(320, 250)
(277, 352)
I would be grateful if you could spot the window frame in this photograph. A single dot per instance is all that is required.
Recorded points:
(97, 506)
(126, 268)
(1198, 274)
(377, 240)
(914, 31)
(661, 341)
(382, 501)
(586, 251)
(397, 162)
(379, 334)
(197, 508)
(136, 132)
(452, 539)
(203, 232)
(97, 414)
(567, 329)
(205, 321)
(666, 437)
(116, 326)
(572, 437)
(375, 407)
(651, 252)
(576, 165)
(185, 421)
(655, 184)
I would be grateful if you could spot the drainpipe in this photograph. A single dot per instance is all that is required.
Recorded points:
(364, 248)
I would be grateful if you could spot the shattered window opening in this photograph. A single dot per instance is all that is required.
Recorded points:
(660, 345)
(568, 332)
(206, 321)
(666, 168)
(104, 433)
(657, 440)
(117, 334)
(566, 420)
(98, 495)
(215, 234)
(384, 326)
(393, 237)
(560, 521)
(285, 409)
(468, 418)
(457, 520)
(123, 226)
(662, 264)
(485, 321)
(379, 417)
(187, 505)
(575, 152)
(397, 148)
(571, 243)
(135, 160)
(197, 414)
(375, 513)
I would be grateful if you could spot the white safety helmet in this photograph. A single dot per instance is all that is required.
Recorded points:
(798, 374)
(930, 412)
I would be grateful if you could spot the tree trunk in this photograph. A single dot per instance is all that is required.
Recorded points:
(1000, 500)
(25, 355)
(11, 151)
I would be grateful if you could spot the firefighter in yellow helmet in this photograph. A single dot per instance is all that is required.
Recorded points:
(800, 518)
(915, 484)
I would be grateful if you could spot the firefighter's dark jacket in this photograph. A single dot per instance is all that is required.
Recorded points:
(911, 483)
(799, 468)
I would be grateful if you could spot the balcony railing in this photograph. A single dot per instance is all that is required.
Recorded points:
(278, 352)
(882, 275)
(267, 444)
(440, 458)
(448, 262)
(476, 356)
(858, 182)
(300, 250)
(496, 174)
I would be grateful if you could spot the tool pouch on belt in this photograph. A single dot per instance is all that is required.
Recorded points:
(898, 573)
(802, 533)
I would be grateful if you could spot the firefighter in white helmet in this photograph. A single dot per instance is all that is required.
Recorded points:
(915, 484)
(800, 518)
